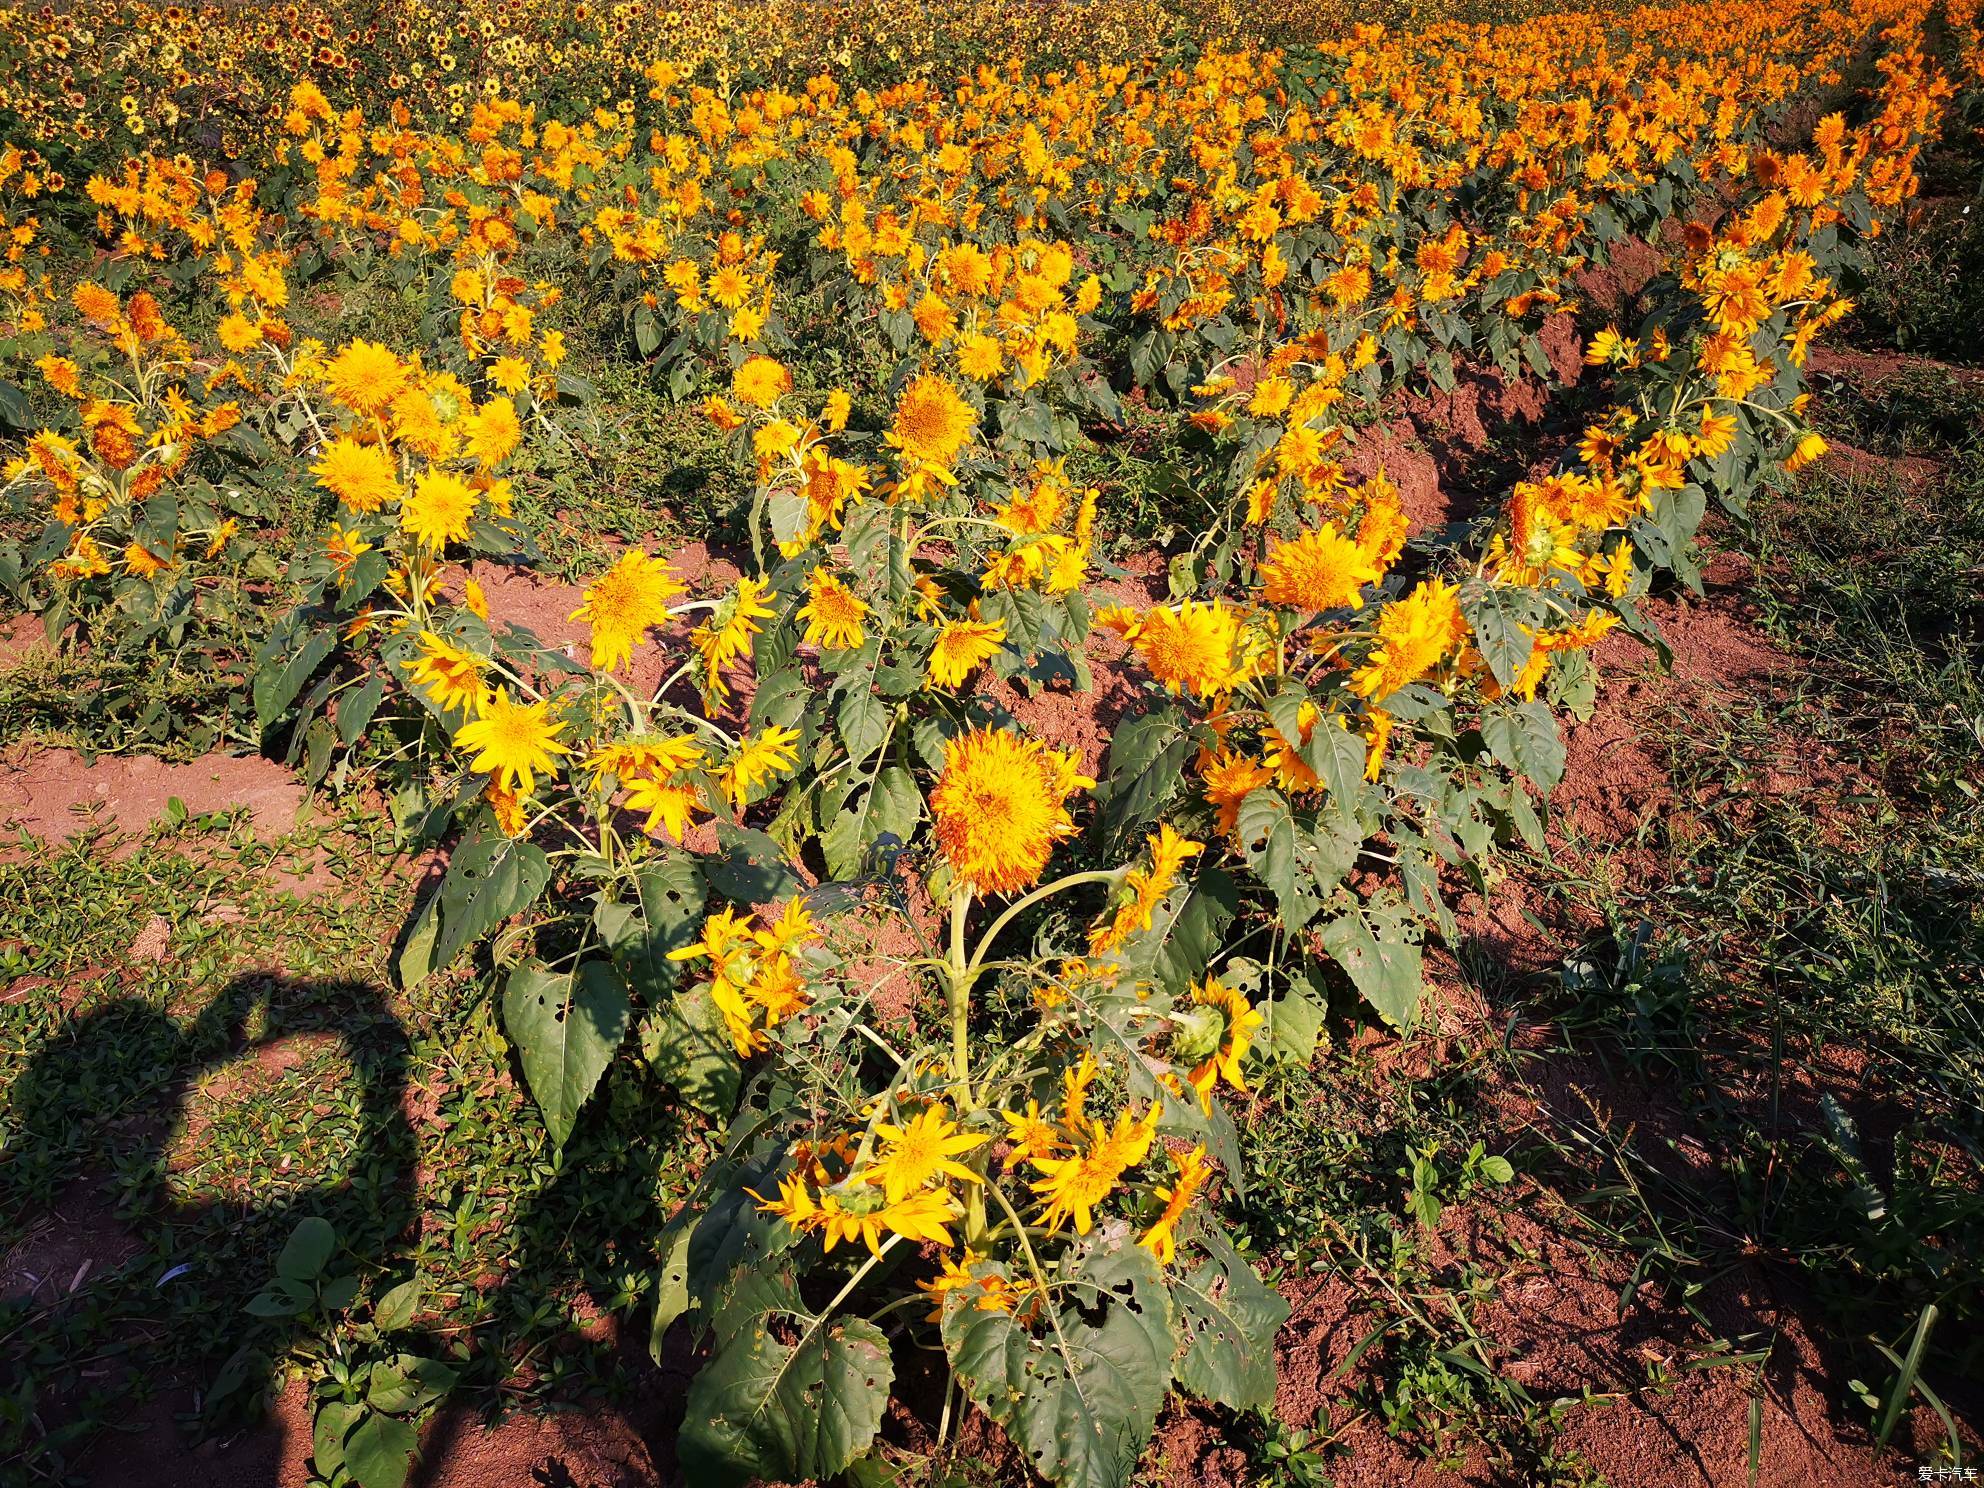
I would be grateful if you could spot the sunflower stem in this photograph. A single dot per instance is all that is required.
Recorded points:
(1095, 875)
(958, 979)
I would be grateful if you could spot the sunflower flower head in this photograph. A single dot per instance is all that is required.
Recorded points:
(1000, 806)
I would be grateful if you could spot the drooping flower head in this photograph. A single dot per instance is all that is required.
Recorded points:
(962, 646)
(449, 674)
(1229, 1034)
(726, 638)
(1161, 1239)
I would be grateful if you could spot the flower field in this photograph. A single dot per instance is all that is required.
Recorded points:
(985, 717)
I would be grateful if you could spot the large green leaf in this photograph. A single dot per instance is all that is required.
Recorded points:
(565, 1028)
(748, 867)
(891, 806)
(1500, 617)
(672, 893)
(1371, 943)
(864, 720)
(689, 1046)
(1081, 1399)
(1142, 771)
(766, 1409)
(379, 1451)
(1185, 931)
(1227, 1320)
(489, 879)
(1295, 1019)
(1525, 739)
(1268, 835)
(285, 664)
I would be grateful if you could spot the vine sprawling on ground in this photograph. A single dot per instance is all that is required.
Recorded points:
(914, 275)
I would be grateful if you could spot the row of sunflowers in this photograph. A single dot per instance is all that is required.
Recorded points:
(910, 307)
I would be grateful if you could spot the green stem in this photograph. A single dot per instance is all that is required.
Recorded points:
(1094, 875)
(958, 979)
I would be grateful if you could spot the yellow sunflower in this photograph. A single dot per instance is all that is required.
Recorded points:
(833, 613)
(933, 423)
(623, 603)
(365, 377)
(362, 476)
(1000, 806)
(513, 742)
(961, 647)
(438, 511)
(448, 674)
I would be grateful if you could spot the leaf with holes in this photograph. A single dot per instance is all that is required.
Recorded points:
(566, 1028)
(1227, 1319)
(766, 1409)
(1382, 962)
(1501, 618)
(1525, 739)
(1081, 1401)
(489, 879)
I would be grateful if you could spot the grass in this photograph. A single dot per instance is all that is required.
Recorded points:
(196, 1108)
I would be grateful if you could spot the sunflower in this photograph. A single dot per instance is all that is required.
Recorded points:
(833, 614)
(365, 377)
(1191, 648)
(760, 759)
(760, 381)
(143, 562)
(1231, 1041)
(980, 357)
(1074, 1187)
(1031, 1134)
(727, 637)
(362, 476)
(1320, 570)
(449, 675)
(438, 511)
(623, 603)
(1000, 806)
(922, 1149)
(1229, 779)
(1193, 1171)
(932, 422)
(659, 755)
(1168, 851)
(1414, 635)
(922, 1217)
(513, 742)
(961, 646)
(492, 432)
(671, 806)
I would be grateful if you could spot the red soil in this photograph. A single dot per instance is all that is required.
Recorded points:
(55, 793)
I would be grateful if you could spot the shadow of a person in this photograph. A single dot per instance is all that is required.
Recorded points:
(101, 1094)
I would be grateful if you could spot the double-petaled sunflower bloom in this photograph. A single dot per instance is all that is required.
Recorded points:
(1000, 806)
(623, 604)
